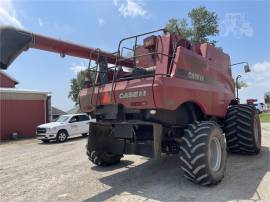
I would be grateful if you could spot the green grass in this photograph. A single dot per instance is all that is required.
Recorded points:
(265, 117)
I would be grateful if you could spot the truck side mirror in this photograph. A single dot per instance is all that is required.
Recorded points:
(72, 120)
(247, 68)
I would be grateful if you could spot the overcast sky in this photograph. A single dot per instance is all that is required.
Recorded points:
(245, 35)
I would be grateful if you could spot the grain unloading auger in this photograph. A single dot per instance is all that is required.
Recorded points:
(171, 96)
(15, 41)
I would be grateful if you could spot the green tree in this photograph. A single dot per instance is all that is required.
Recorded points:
(76, 84)
(241, 84)
(204, 24)
(179, 26)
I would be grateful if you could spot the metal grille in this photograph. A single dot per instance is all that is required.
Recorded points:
(41, 130)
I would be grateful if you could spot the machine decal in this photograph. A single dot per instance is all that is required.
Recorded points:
(195, 76)
(185, 74)
(132, 94)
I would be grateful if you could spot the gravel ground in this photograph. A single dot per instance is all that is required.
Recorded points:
(33, 171)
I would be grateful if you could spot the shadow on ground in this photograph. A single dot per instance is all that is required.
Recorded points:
(123, 163)
(162, 180)
(72, 139)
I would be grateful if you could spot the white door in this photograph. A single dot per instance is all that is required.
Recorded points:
(74, 125)
(84, 124)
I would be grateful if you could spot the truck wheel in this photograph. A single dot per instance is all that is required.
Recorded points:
(61, 136)
(243, 130)
(203, 153)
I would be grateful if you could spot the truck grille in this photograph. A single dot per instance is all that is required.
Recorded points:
(41, 130)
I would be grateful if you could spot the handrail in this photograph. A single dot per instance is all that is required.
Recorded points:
(119, 54)
(114, 67)
(153, 53)
(142, 76)
(125, 48)
(134, 36)
(135, 77)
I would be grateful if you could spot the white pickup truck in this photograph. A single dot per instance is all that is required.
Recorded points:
(260, 107)
(64, 127)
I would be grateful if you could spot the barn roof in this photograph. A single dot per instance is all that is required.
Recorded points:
(16, 90)
(58, 112)
(74, 110)
(9, 77)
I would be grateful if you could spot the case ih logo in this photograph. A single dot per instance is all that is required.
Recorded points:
(195, 76)
(125, 95)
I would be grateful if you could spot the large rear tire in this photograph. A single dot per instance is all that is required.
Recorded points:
(243, 130)
(203, 153)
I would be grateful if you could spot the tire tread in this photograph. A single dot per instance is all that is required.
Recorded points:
(238, 129)
(194, 150)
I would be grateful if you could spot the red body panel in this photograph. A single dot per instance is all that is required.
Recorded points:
(143, 86)
(202, 77)
(212, 91)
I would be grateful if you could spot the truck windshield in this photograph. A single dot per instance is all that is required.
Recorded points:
(62, 119)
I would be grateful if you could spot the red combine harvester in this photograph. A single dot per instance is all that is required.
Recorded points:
(169, 97)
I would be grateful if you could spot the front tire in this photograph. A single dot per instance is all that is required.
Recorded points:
(243, 130)
(96, 152)
(100, 158)
(204, 153)
(61, 136)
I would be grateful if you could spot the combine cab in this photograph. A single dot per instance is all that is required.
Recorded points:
(168, 97)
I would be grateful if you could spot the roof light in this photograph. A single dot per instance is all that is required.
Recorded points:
(153, 111)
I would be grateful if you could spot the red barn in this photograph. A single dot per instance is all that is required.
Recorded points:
(6, 81)
(21, 110)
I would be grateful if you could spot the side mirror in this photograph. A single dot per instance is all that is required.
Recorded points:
(247, 68)
(72, 121)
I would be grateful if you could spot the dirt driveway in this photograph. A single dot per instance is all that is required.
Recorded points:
(32, 171)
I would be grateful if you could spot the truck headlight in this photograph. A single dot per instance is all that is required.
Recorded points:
(51, 129)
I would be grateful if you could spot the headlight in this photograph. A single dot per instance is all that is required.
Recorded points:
(153, 111)
(51, 129)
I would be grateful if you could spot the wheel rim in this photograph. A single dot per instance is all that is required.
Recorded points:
(256, 132)
(215, 154)
(62, 137)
